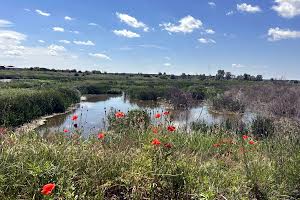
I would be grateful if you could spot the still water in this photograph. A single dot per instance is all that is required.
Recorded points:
(93, 112)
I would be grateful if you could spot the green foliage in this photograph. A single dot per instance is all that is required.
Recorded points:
(19, 106)
(227, 103)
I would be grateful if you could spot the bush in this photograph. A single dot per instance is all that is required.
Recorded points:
(20, 106)
(262, 127)
(198, 93)
(95, 88)
(145, 93)
(227, 103)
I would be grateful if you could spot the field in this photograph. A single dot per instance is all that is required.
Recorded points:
(142, 156)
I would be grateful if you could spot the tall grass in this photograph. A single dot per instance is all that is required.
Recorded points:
(18, 106)
(125, 165)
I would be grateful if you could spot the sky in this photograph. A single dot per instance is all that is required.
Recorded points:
(151, 36)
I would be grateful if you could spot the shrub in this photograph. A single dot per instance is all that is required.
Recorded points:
(262, 127)
(227, 103)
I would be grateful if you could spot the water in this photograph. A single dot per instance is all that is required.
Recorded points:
(93, 112)
(5, 80)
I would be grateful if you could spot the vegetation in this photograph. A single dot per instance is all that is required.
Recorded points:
(128, 163)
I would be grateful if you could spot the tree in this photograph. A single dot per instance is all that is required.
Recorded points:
(220, 74)
(228, 75)
(259, 78)
(246, 77)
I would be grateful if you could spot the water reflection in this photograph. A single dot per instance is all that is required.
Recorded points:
(94, 110)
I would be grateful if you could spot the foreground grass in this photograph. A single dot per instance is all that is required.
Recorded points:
(214, 165)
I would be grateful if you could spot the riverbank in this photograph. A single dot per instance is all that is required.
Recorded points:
(162, 164)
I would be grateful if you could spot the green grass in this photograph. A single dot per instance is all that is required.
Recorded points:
(126, 164)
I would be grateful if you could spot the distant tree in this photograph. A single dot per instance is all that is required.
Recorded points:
(202, 76)
(220, 74)
(246, 77)
(183, 76)
(165, 73)
(228, 75)
(172, 76)
(2, 67)
(76, 74)
(159, 73)
(259, 78)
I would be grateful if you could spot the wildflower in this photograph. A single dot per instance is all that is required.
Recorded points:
(245, 137)
(168, 145)
(101, 136)
(48, 188)
(251, 142)
(66, 131)
(155, 142)
(155, 130)
(74, 117)
(171, 128)
(166, 113)
(216, 145)
(158, 115)
(120, 114)
(75, 125)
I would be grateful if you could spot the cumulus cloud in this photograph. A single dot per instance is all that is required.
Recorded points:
(54, 50)
(42, 13)
(186, 25)
(287, 8)
(248, 8)
(100, 55)
(131, 21)
(206, 40)
(238, 66)
(65, 41)
(58, 29)
(67, 18)
(5, 23)
(41, 41)
(126, 33)
(76, 32)
(167, 64)
(212, 4)
(277, 33)
(229, 13)
(210, 31)
(86, 43)
(92, 24)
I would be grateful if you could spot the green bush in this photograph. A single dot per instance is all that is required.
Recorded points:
(227, 103)
(262, 127)
(19, 106)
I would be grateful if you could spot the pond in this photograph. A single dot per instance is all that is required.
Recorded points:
(93, 111)
(5, 80)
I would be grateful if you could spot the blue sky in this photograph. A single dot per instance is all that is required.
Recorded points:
(151, 36)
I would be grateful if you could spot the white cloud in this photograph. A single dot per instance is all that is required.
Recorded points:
(126, 33)
(167, 64)
(86, 43)
(26, 9)
(238, 66)
(65, 41)
(76, 32)
(212, 4)
(229, 13)
(131, 21)
(67, 18)
(206, 40)
(42, 13)
(277, 33)
(248, 8)
(92, 24)
(210, 31)
(5, 23)
(100, 55)
(58, 29)
(56, 47)
(186, 25)
(287, 8)
(41, 41)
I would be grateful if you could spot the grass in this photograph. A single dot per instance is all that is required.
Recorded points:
(216, 164)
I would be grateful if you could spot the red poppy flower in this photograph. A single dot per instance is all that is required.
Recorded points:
(48, 188)
(166, 113)
(158, 115)
(245, 137)
(168, 145)
(155, 130)
(216, 145)
(74, 117)
(120, 114)
(171, 128)
(155, 142)
(101, 135)
(66, 131)
(251, 142)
